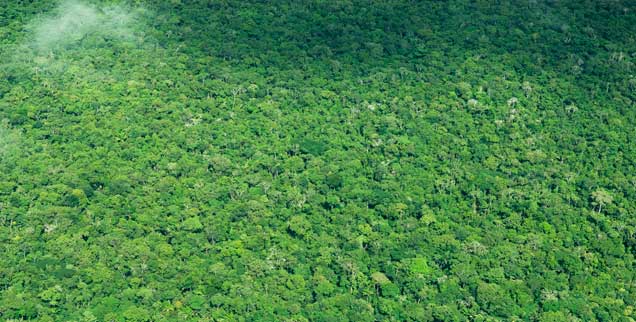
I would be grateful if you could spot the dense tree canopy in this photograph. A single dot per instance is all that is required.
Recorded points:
(318, 160)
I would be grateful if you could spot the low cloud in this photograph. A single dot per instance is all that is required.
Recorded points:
(72, 22)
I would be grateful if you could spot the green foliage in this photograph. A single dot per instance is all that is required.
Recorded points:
(317, 160)
(419, 266)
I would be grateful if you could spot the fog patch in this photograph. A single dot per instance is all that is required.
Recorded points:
(74, 42)
(74, 22)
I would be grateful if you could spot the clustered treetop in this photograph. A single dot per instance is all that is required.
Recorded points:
(318, 161)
